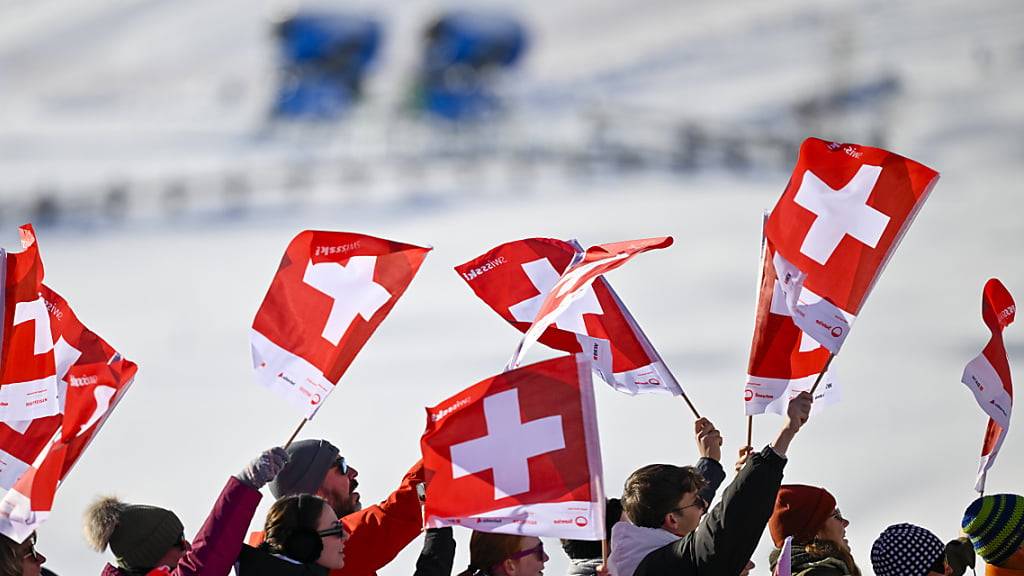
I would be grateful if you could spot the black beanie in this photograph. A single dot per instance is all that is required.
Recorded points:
(138, 535)
(308, 463)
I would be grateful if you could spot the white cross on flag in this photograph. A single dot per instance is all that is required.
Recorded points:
(843, 214)
(518, 453)
(330, 293)
(988, 374)
(784, 360)
(516, 278)
(36, 454)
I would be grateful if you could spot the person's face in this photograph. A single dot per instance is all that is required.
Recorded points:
(31, 559)
(530, 564)
(339, 489)
(834, 529)
(685, 517)
(333, 554)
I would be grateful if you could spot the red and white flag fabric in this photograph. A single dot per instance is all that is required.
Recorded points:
(988, 374)
(515, 278)
(784, 565)
(518, 453)
(784, 360)
(330, 293)
(36, 454)
(840, 219)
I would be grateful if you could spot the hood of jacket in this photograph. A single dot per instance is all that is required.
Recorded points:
(630, 544)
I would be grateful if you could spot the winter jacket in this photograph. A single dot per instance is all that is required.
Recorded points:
(218, 543)
(633, 544)
(726, 538)
(712, 471)
(803, 564)
(583, 566)
(438, 555)
(260, 562)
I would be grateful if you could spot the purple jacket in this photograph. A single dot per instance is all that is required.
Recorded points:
(218, 543)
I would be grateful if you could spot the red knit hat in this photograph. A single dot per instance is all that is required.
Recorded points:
(800, 512)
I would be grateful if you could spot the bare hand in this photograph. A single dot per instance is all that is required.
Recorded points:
(709, 439)
(602, 570)
(799, 411)
(745, 453)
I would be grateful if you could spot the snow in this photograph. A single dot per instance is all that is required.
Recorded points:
(153, 92)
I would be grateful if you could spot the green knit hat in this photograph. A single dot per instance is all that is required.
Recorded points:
(138, 535)
(995, 525)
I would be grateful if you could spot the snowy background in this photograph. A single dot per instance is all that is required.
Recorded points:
(165, 102)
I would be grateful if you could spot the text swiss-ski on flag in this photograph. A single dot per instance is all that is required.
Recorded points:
(840, 219)
(518, 453)
(329, 294)
(516, 278)
(37, 453)
(988, 374)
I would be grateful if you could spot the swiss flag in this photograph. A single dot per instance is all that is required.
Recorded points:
(988, 374)
(91, 377)
(515, 278)
(330, 293)
(518, 453)
(840, 219)
(784, 360)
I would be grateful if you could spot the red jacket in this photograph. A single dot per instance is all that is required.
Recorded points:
(218, 543)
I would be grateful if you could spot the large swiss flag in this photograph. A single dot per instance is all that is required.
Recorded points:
(518, 453)
(330, 293)
(840, 219)
(515, 278)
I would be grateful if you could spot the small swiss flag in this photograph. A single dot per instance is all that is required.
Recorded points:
(518, 453)
(330, 293)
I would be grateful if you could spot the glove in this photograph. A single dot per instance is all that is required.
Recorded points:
(263, 468)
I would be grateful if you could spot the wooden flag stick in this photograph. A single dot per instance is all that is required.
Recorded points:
(690, 404)
(823, 370)
(750, 430)
(294, 434)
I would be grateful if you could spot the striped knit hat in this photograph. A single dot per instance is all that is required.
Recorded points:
(995, 525)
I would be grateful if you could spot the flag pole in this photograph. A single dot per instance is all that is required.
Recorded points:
(750, 430)
(294, 434)
(696, 414)
(820, 375)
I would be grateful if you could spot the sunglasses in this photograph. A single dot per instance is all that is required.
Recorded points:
(336, 530)
(538, 550)
(698, 502)
(341, 465)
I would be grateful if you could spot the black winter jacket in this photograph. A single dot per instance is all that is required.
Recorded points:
(259, 562)
(438, 553)
(726, 538)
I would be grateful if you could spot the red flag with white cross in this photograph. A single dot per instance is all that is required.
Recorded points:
(518, 453)
(515, 278)
(36, 454)
(330, 293)
(840, 219)
(988, 374)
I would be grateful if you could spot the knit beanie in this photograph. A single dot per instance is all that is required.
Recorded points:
(905, 550)
(995, 525)
(138, 535)
(800, 512)
(308, 463)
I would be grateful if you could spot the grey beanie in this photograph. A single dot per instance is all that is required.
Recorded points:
(138, 535)
(308, 463)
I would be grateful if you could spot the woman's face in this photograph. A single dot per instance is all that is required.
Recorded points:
(333, 554)
(529, 564)
(834, 529)
(31, 559)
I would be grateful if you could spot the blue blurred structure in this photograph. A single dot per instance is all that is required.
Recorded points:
(324, 59)
(463, 54)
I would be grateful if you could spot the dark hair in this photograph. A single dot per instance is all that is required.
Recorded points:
(10, 556)
(288, 515)
(489, 548)
(655, 490)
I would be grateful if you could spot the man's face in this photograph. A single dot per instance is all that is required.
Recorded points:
(685, 517)
(340, 490)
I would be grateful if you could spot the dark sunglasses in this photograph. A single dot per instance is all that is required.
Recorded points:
(698, 502)
(336, 530)
(538, 550)
(341, 465)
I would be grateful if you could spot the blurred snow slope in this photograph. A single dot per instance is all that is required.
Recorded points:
(97, 88)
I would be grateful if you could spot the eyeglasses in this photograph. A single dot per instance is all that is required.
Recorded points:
(341, 465)
(838, 515)
(698, 502)
(336, 530)
(31, 551)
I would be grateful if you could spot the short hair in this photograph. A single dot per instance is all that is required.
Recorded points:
(655, 490)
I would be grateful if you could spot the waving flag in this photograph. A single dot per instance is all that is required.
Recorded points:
(91, 377)
(988, 374)
(330, 293)
(518, 453)
(840, 219)
(515, 278)
(784, 360)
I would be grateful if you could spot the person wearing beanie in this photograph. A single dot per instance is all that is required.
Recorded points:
(725, 538)
(151, 540)
(376, 534)
(908, 550)
(809, 515)
(655, 513)
(995, 526)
